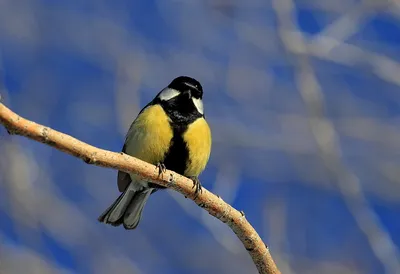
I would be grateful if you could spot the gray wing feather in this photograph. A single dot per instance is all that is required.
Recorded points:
(124, 179)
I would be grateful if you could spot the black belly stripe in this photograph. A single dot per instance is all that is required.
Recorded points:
(182, 113)
(178, 155)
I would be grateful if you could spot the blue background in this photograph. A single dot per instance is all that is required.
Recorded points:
(86, 68)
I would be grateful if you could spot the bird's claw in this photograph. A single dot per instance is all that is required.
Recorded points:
(242, 212)
(161, 168)
(196, 185)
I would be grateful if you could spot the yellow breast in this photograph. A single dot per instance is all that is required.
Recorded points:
(198, 141)
(150, 135)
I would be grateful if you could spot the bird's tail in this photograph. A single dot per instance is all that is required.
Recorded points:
(127, 208)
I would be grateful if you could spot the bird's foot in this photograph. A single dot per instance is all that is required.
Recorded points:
(196, 185)
(161, 168)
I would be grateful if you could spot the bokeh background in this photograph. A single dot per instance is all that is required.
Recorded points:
(304, 104)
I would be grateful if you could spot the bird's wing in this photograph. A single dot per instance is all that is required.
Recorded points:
(123, 178)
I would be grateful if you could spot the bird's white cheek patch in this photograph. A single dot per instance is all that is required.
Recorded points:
(198, 104)
(168, 94)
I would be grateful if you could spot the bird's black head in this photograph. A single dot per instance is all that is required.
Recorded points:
(188, 84)
(182, 99)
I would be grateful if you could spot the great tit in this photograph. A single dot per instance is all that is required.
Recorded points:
(170, 132)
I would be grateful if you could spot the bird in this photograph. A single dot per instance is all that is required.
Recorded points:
(170, 132)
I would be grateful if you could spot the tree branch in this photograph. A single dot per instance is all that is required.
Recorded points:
(214, 205)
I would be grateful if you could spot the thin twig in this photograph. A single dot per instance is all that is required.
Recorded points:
(215, 206)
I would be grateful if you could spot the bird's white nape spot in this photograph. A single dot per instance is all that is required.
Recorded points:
(168, 93)
(198, 103)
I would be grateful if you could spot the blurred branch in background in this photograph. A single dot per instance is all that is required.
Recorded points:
(328, 142)
(91, 155)
(226, 185)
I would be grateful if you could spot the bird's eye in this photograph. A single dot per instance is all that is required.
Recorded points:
(196, 93)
